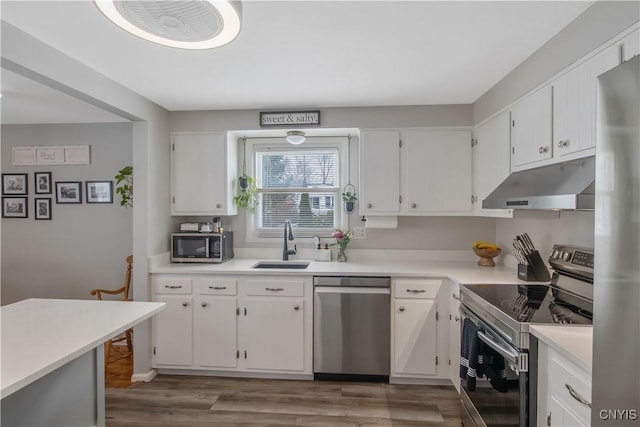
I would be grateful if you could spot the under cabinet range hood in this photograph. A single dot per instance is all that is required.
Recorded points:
(563, 186)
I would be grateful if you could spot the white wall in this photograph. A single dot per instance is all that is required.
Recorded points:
(84, 246)
(546, 228)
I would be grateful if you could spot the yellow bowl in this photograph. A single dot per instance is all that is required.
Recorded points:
(486, 256)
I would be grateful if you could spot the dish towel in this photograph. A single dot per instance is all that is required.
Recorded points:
(469, 346)
(494, 369)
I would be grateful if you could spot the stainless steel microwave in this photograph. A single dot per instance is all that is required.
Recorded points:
(201, 247)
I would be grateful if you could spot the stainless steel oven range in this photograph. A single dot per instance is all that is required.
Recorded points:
(496, 320)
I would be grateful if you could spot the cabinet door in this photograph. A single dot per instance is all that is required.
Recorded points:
(215, 331)
(560, 416)
(380, 172)
(491, 161)
(173, 331)
(574, 104)
(273, 334)
(531, 130)
(415, 345)
(199, 175)
(436, 173)
(454, 335)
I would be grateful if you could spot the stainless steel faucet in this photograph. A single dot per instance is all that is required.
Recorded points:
(285, 250)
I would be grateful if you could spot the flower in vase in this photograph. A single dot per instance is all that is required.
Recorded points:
(342, 240)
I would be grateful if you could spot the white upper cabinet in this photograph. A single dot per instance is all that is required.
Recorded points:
(531, 130)
(574, 105)
(415, 172)
(203, 174)
(491, 162)
(436, 171)
(380, 173)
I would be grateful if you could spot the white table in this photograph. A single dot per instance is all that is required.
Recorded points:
(52, 358)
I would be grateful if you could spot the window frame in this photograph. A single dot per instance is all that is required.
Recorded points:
(253, 233)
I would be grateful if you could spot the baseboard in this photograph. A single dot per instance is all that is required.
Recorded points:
(137, 378)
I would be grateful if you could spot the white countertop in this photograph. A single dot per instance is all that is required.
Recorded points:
(465, 272)
(40, 335)
(574, 342)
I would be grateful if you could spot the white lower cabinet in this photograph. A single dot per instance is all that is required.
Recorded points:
(172, 327)
(273, 325)
(418, 339)
(454, 333)
(234, 324)
(215, 323)
(564, 390)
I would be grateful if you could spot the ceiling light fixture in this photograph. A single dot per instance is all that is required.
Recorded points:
(295, 137)
(183, 24)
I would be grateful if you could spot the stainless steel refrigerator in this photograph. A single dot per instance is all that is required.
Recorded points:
(616, 317)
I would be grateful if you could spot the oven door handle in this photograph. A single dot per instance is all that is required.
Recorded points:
(508, 354)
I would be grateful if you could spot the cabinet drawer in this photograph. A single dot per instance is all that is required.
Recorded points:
(285, 288)
(417, 288)
(563, 372)
(215, 286)
(168, 285)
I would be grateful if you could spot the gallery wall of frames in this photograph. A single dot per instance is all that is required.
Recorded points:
(18, 202)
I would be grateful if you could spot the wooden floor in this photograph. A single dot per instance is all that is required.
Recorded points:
(195, 401)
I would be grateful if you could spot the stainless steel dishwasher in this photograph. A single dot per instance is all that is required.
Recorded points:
(351, 328)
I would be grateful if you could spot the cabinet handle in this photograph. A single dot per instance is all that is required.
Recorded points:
(245, 354)
(576, 396)
(217, 288)
(549, 420)
(203, 304)
(274, 289)
(413, 205)
(455, 297)
(185, 304)
(543, 150)
(401, 308)
(296, 307)
(416, 291)
(369, 205)
(218, 205)
(456, 318)
(563, 143)
(173, 286)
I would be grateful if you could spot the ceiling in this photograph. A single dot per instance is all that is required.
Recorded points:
(311, 54)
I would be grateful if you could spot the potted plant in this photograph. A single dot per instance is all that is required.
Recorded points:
(124, 186)
(248, 197)
(349, 199)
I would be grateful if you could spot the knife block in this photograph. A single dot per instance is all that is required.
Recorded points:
(525, 272)
(540, 271)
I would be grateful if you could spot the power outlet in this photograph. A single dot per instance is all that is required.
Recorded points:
(359, 233)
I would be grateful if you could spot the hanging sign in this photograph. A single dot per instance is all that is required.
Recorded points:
(290, 118)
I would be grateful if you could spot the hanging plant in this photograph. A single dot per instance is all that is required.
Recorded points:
(349, 198)
(124, 186)
(248, 197)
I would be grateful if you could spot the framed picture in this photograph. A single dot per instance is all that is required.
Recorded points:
(99, 191)
(42, 208)
(42, 182)
(14, 183)
(14, 207)
(69, 192)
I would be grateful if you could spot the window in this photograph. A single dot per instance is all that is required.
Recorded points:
(301, 184)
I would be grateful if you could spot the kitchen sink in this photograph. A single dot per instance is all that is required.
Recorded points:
(290, 265)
